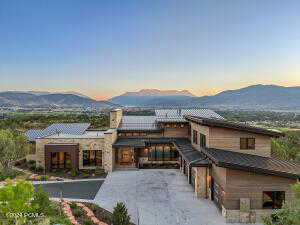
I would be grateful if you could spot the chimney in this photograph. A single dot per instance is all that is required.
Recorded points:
(115, 118)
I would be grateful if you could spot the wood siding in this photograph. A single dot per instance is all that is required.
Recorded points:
(241, 184)
(200, 129)
(229, 139)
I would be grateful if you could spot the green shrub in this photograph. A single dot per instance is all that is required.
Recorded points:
(120, 215)
(64, 221)
(44, 178)
(42, 202)
(73, 205)
(39, 169)
(77, 212)
(10, 174)
(94, 207)
(87, 222)
(74, 172)
(99, 171)
(31, 162)
(31, 167)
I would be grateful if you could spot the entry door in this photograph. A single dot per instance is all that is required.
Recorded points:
(126, 156)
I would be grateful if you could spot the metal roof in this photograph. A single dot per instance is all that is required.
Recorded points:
(252, 163)
(177, 115)
(33, 134)
(63, 128)
(233, 125)
(138, 123)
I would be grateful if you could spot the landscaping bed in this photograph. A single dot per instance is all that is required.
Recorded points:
(84, 218)
(160, 166)
(72, 174)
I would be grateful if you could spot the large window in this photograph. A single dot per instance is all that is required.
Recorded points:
(202, 140)
(195, 137)
(247, 143)
(92, 157)
(273, 199)
(162, 152)
(60, 160)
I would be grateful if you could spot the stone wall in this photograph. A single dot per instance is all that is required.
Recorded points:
(115, 118)
(84, 144)
(200, 181)
(109, 153)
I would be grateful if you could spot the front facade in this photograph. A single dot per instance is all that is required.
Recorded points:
(225, 162)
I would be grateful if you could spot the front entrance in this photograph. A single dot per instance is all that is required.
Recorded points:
(126, 156)
(60, 160)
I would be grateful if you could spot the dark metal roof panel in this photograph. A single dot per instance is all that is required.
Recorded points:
(233, 125)
(253, 163)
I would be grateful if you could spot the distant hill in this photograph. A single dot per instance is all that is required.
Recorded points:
(255, 97)
(26, 99)
(48, 93)
(159, 93)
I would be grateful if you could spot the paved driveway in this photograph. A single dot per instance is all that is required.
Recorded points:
(157, 197)
(73, 190)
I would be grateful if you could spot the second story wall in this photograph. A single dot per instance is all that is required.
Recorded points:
(229, 139)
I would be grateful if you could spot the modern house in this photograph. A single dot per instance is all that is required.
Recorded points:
(226, 162)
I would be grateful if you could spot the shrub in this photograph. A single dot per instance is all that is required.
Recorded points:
(94, 207)
(10, 174)
(74, 172)
(120, 215)
(39, 169)
(77, 212)
(31, 167)
(99, 171)
(44, 178)
(31, 162)
(42, 202)
(64, 221)
(73, 205)
(87, 222)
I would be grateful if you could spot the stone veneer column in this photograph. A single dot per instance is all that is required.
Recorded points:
(115, 118)
(110, 137)
(200, 182)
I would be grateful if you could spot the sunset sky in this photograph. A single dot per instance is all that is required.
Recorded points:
(104, 48)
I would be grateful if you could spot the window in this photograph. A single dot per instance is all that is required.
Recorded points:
(247, 143)
(202, 140)
(163, 152)
(195, 137)
(92, 157)
(273, 199)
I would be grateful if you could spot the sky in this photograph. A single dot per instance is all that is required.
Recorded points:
(104, 48)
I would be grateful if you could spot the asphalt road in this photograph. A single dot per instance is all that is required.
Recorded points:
(75, 190)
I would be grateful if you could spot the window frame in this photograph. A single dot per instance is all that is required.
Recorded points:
(247, 144)
(273, 196)
(195, 137)
(92, 163)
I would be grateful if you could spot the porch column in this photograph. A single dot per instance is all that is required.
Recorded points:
(200, 182)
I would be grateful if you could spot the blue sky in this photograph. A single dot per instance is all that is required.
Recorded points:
(103, 48)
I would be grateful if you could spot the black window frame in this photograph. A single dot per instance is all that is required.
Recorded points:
(202, 140)
(153, 150)
(274, 195)
(248, 146)
(91, 163)
(195, 137)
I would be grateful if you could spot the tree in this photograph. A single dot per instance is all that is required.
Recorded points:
(120, 215)
(289, 214)
(12, 147)
(287, 147)
(15, 199)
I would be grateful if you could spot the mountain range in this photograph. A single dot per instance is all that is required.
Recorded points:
(43, 99)
(252, 97)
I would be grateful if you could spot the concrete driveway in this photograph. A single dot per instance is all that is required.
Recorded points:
(157, 197)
